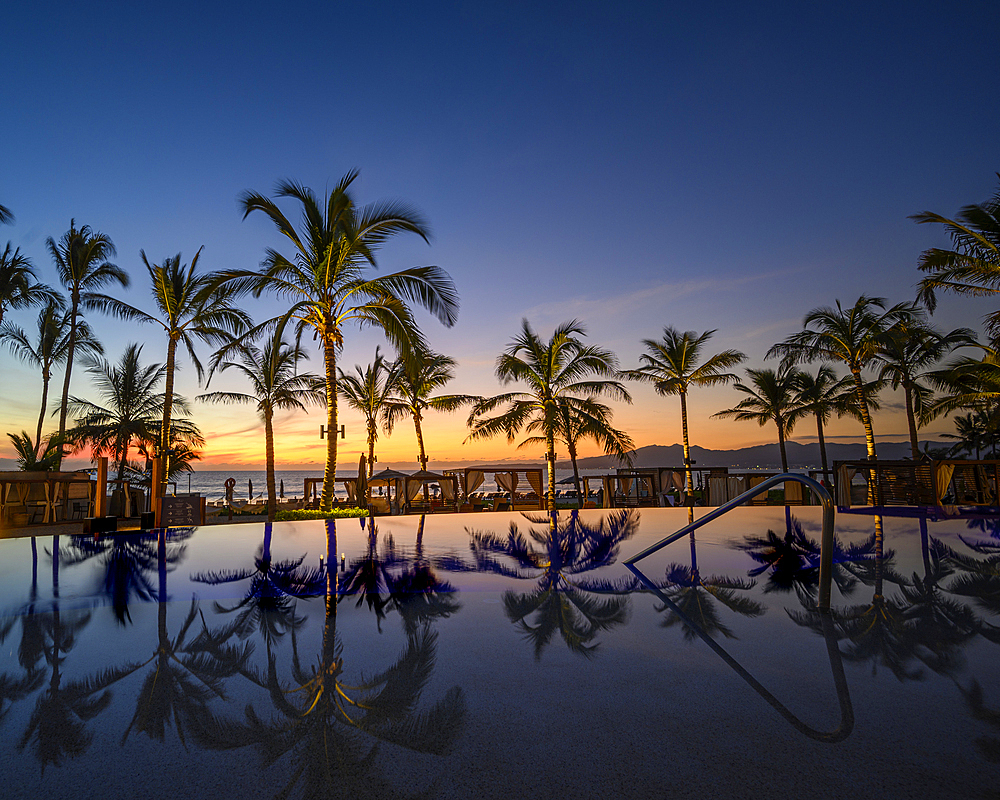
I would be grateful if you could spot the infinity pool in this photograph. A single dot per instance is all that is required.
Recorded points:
(494, 655)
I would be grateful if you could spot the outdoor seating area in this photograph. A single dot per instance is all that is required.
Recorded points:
(28, 498)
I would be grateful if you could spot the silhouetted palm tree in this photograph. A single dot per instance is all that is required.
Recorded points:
(414, 378)
(19, 287)
(771, 397)
(274, 385)
(674, 365)
(325, 280)
(822, 395)
(973, 266)
(561, 373)
(851, 336)
(131, 409)
(189, 307)
(906, 353)
(49, 349)
(366, 391)
(81, 259)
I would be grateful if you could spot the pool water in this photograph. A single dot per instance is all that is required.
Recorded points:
(498, 655)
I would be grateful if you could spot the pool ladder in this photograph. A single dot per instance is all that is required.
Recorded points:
(826, 545)
(846, 726)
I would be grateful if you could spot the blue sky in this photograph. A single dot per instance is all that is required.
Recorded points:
(720, 165)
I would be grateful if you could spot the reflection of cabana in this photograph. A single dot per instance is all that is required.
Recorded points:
(508, 480)
(417, 498)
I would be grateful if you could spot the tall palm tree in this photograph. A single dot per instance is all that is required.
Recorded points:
(189, 307)
(131, 410)
(562, 372)
(275, 385)
(973, 266)
(672, 366)
(19, 287)
(49, 348)
(414, 379)
(366, 391)
(905, 353)
(771, 397)
(327, 283)
(81, 258)
(851, 336)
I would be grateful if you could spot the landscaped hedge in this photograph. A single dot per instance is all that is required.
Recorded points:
(303, 513)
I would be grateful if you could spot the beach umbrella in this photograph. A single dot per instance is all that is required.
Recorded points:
(249, 490)
(362, 482)
(281, 490)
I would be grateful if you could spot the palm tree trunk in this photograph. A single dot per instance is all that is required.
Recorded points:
(688, 481)
(41, 414)
(70, 352)
(866, 420)
(372, 433)
(272, 495)
(911, 421)
(571, 446)
(550, 464)
(330, 471)
(420, 440)
(168, 402)
(781, 443)
(822, 447)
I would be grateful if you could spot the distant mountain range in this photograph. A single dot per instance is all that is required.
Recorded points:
(764, 456)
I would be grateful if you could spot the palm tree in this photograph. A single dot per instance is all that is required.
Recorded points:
(367, 391)
(557, 374)
(326, 280)
(973, 267)
(591, 420)
(81, 258)
(823, 394)
(906, 351)
(28, 460)
(771, 397)
(19, 287)
(189, 307)
(972, 434)
(49, 349)
(6, 215)
(413, 380)
(851, 336)
(275, 385)
(131, 412)
(672, 366)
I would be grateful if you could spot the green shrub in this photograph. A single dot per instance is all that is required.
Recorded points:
(303, 513)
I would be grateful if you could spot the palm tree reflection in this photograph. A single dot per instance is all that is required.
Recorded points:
(563, 602)
(57, 727)
(186, 673)
(268, 605)
(323, 721)
(695, 596)
(418, 592)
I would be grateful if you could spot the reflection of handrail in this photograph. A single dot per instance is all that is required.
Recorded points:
(826, 549)
(839, 733)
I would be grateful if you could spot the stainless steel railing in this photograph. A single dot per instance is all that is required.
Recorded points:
(826, 546)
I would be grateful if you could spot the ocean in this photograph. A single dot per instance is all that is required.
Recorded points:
(212, 483)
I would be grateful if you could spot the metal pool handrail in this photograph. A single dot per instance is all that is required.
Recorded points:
(826, 547)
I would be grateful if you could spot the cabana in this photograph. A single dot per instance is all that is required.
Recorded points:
(417, 499)
(508, 479)
(393, 482)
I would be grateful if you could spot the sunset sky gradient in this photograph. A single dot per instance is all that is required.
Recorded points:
(714, 165)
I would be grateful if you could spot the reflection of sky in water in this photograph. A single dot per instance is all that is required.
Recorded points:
(646, 708)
